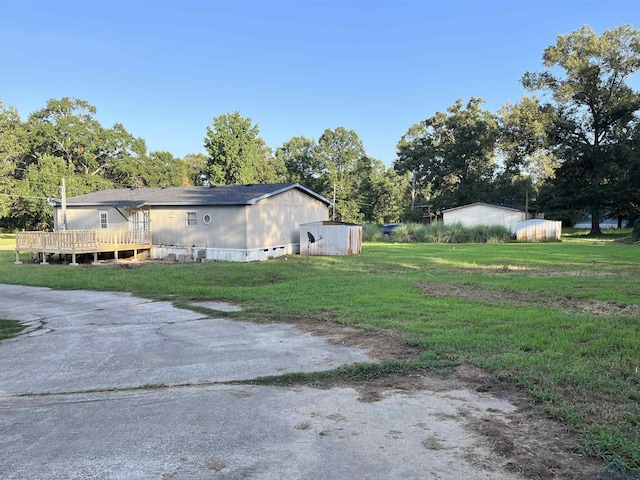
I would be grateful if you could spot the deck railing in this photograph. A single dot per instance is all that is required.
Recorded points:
(80, 240)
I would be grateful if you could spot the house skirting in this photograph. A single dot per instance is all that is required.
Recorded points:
(193, 254)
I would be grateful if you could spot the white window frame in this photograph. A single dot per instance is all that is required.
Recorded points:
(192, 219)
(206, 218)
(139, 220)
(103, 214)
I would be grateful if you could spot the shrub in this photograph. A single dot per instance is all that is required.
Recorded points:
(403, 234)
(371, 233)
(438, 232)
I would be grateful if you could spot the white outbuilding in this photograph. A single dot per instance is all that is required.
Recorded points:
(330, 238)
(537, 230)
(481, 213)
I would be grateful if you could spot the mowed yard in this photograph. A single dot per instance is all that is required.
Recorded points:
(559, 321)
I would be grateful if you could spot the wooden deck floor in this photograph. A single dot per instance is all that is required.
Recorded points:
(75, 242)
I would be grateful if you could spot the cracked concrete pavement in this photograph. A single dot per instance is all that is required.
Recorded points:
(110, 386)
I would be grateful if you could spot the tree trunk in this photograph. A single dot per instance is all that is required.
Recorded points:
(595, 223)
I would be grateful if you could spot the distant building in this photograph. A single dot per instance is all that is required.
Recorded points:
(481, 213)
(605, 224)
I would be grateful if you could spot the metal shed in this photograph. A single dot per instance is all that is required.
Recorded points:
(481, 213)
(538, 230)
(331, 238)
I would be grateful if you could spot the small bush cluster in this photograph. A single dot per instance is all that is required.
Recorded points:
(438, 232)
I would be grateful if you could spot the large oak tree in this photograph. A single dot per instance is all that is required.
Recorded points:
(587, 78)
(451, 155)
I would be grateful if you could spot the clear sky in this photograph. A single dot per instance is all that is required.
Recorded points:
(164, 69)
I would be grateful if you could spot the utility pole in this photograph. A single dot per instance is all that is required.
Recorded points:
(334, 202)
(63, 194)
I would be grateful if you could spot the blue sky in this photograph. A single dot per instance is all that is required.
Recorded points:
(164, 69)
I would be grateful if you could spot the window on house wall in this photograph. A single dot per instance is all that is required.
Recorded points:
(104, 219)
(191, 219)
(206, 219)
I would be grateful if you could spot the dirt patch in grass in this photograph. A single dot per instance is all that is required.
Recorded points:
(508, 296)
(526, 443)
(384, 346)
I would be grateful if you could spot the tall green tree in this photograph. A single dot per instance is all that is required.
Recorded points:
(237, 154)
(39, 186)
(303, 165)
(381, 192)
(13, 145)
(268, 167)
(195, 165)
(67, 129)
(587, 77)
(339, 152)
(451, 155)
(527, 159)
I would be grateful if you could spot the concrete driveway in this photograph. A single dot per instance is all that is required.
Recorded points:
(110, 386)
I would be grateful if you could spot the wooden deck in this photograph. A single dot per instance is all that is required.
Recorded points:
(74, 242)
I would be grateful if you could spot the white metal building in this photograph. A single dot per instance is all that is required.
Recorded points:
(485, 214)
(330, 238)
(537, 230)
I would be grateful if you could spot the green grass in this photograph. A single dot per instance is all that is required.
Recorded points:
(7, 239)
(579, 366)
(10, 328)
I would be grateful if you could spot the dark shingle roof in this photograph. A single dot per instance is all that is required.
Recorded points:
(220, 195)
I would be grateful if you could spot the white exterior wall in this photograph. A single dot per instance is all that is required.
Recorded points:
(538, 230)
(333, 238)
(480, 214)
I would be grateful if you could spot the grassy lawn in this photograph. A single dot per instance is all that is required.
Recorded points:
(560, 320)
(7, 239)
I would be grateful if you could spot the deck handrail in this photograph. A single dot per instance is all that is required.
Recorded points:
(80, 239)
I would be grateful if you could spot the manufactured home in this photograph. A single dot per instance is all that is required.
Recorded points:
(232, 222)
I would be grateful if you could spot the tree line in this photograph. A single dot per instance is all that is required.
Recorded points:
(572, 152)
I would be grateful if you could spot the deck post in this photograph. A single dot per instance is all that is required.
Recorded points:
(135, 254)
(115, 255)
(17, 262)
(44, 259)
(95, 259)
(73, 260)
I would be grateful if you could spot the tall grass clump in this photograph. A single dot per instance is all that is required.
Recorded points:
(490, 234)
(438, 232)
(404, 233)
(371, 233)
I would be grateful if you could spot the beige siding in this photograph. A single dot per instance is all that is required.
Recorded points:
(276, 220)
(227, 228)
(88, 218)
(272, 222)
